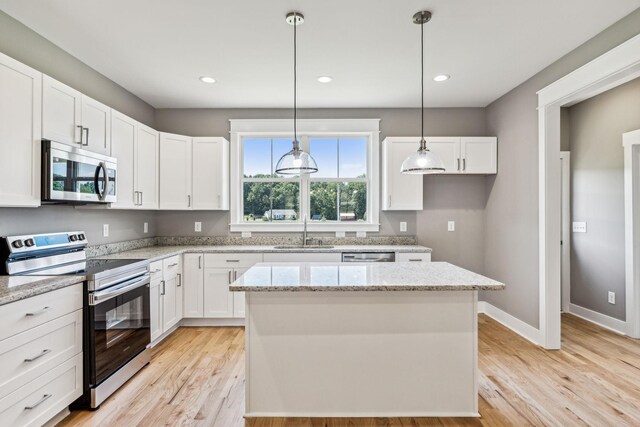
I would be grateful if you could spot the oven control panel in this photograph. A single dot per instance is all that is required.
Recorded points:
(38, 242)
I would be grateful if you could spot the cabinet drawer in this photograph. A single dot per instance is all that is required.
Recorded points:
(41, 399)
(303, 257)
(28, 355)
(171, 267)
(31, 312)
(155, 270)
(231, 260)
(413, 257)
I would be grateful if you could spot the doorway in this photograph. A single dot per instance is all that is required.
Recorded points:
(565, 230)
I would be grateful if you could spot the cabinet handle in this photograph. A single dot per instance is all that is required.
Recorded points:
(163, 288)
(415, 260)
(189, 201)
(458, 165)
(200, 262)
(179, 279)
(157, 270)
(38, 403)
(140, 204)
(39, 312)
(42, 353)
(464, 164)
(81, 133)
(233, 260)
(86, 141)
(136, 198)
(235, 275)
(229, 276)
(173, 265)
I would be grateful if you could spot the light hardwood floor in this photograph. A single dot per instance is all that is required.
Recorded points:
(196, 378)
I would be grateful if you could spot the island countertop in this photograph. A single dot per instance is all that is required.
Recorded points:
(398, 276)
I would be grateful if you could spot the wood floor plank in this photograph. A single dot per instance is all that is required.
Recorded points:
(196, 378)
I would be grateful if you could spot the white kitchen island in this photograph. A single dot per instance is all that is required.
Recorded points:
(361, 340)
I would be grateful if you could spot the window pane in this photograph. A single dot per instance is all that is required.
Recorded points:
(353, 201)
(325, 153)
(281, 146)
(271, 201)
(257, 155)
(353, 157)
(324, 201)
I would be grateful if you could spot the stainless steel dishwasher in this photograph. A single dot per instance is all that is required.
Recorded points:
(368, 257)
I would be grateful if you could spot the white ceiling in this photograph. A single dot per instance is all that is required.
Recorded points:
(157, 49)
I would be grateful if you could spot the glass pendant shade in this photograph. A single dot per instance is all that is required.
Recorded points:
(422, 162)
(296, 162)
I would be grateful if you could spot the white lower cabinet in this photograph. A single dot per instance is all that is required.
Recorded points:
(218, 300)
(166, 293)
(155, 310)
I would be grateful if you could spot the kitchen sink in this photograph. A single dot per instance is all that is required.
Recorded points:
(303, 247)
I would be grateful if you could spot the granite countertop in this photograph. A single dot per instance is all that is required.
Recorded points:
(153, 253)
(397, 276)
(16, 288)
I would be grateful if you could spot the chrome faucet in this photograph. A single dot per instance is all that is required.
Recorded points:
(304, 232)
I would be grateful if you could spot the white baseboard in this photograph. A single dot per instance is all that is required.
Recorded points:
(607, 322)
(195, 322)
(516, 325)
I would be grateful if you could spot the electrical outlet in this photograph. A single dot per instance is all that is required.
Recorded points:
(403, 226)
(361, 234)
(451, 226)
(612, 298)
(146, 227)
(340, 234)
(198, 227)
(579, 227)
(246, 234)
(105, 230)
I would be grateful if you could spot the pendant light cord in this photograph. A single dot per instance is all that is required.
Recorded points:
(422, 82)
(295, 80)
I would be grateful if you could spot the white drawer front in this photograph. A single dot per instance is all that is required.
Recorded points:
(303, 257)
(231, 260)
(171, 267)
(413, 257)
(155, 270)
(28, 355)
(31, 312)
(41, 399)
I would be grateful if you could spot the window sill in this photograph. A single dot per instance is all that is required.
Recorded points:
(299, 227)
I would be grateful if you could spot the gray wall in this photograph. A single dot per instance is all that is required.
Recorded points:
(511, 227)
(445, 198)
(23, 44)
(597, 196)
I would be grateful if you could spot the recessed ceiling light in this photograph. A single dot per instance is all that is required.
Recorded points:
(325, 79)
(441, 77)
(205, 79)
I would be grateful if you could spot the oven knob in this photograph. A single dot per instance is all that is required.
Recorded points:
(29, 242)
(17, 244)
(73, 237)
(81, 237)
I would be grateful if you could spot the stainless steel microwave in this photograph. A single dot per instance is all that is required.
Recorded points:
(73, 175)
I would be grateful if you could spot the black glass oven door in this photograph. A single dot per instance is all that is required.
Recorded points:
(119, 330)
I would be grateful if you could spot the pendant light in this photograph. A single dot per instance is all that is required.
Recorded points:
(296, 161)
(423, 161)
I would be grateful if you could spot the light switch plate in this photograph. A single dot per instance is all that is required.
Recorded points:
(197, 227)
(246, 234)
(579, 227)
(105, 230)
(451, 226)
(361, 234)
(340, 234)
(403, 226)
(146, 227)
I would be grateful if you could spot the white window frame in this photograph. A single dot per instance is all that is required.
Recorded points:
(279, 128)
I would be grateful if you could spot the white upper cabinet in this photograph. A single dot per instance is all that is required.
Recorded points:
(448, 149)
(146, 167)
(123, 146)
(400, 192)
(175, 172)
(210, 174)
(72, 118)
(20, 133)
(479, 155)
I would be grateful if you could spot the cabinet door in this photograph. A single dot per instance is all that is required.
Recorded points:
(238, 297)
(96, 121)
(155, 310)
(175, 172)
(218, 300)
(61, 112)
(169, 312)
(123, 141)
(413, 257)
(479, 155)
(210, 173)
(400, 191)
(448, 149)
(193, 285)
(146, 167)
(20, 133)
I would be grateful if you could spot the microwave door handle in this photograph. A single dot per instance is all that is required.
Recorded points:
(96, 181)
(102, 166)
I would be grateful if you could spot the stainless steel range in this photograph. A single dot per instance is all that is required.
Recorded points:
(117, 326)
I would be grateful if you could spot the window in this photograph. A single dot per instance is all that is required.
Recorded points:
(342, 195)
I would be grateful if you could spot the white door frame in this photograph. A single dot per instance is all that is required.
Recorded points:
(565, 159)
(631, 143)
(620, 65)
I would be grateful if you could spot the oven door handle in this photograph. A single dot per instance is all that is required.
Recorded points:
(96, 298)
